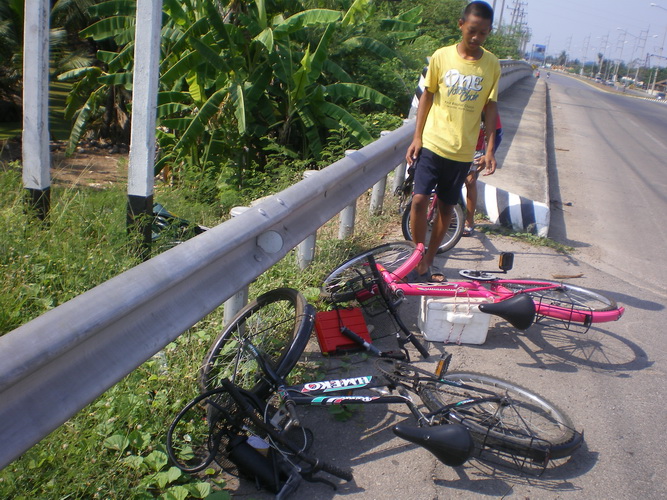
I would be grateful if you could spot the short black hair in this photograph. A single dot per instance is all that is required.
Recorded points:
(479, 9)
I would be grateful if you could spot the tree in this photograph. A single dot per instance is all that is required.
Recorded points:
(237, 80)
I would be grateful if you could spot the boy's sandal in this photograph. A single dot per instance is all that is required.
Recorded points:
(467, 231)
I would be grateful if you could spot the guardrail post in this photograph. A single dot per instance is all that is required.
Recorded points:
(399, 173)
(377, 195)
(305, 252)
(237, 301)
(348, 214)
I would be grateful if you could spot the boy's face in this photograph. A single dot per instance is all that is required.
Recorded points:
(475, 30)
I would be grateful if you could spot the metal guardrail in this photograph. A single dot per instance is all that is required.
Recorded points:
(57, 363)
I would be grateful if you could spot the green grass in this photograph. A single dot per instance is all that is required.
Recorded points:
(531, 239)
(114, 448)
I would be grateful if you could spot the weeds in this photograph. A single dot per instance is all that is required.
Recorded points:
(531, 239)
(114, 448)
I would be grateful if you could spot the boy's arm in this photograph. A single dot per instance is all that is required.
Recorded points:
(425, 103)
(490, 116)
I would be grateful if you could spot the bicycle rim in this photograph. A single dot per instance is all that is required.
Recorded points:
(203, 429)
(569, 297)
(519, 422)
(278, 324)
(346, 281)
(453, 234)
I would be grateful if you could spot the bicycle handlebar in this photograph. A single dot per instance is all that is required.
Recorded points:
(370, 347)
(382, 286)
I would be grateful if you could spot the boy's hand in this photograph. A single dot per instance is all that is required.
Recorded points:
(490, 164)
(413, 151)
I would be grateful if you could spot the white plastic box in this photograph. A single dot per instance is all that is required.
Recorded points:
(452, 319)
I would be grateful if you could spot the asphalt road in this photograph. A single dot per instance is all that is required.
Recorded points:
(611, 179)
(608, 192)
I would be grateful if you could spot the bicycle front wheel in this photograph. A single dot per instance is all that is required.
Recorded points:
(453, 234)
(565, 302)
(275, 326)
(202, 430)
(506, 417)
(347, 280)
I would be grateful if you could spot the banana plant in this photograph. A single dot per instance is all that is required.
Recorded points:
(235, 77)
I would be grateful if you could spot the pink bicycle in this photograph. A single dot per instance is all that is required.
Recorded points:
(379, 273)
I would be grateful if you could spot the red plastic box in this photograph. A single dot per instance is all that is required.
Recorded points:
(328, 324)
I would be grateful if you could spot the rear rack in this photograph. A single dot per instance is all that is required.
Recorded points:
(563, 324)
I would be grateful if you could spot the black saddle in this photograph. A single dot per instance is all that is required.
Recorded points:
(519, 311)
(452, 444)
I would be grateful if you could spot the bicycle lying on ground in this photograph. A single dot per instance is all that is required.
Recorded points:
(378, 275)
(247, 420)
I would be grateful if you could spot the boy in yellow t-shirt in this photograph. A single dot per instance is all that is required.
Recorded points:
(462, 80)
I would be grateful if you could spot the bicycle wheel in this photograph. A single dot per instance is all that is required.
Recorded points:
(518, 421)
(277, 325)
(351, 277)
(204, 428)
(566, 296)
(453, 234)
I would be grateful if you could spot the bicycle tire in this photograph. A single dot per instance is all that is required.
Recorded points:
(571, 297)
(453, 234)
(200, 433)
(525, 425)
(278, 323)
(347, 280)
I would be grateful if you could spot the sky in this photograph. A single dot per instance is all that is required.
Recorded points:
(576, 25)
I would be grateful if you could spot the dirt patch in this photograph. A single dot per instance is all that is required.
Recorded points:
(94, 164)
(91, 165)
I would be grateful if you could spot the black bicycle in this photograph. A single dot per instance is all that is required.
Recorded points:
(249, 423)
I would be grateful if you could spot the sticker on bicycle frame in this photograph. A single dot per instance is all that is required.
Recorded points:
(336, 400)
(335, 385)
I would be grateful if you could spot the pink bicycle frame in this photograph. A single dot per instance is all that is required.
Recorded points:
(496, 291)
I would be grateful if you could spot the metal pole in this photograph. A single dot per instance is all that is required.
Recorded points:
(348, 214)
(305, 253)
(142, 140)
(237, 301)
(377, 196)
(36, 156)
(399, 174)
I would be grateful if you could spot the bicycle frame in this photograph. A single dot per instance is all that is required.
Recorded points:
(494, 289)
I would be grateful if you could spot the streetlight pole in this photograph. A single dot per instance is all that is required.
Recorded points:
(662, 47)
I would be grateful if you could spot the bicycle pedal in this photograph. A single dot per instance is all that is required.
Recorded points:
(443, 364)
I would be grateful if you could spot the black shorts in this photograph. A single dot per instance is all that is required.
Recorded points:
(445, 176)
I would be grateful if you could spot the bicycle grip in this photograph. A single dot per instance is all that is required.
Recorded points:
(345, 475)
(419, 346)
(353, 336)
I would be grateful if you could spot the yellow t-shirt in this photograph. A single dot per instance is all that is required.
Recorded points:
(462, 88)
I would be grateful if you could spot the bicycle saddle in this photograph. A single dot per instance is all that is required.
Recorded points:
(519, 311)
(452, 444)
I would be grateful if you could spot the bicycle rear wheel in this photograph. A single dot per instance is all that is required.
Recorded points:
(353, 276)
(453, 234)
(517, 421)
(277, 325)
(563, 300)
